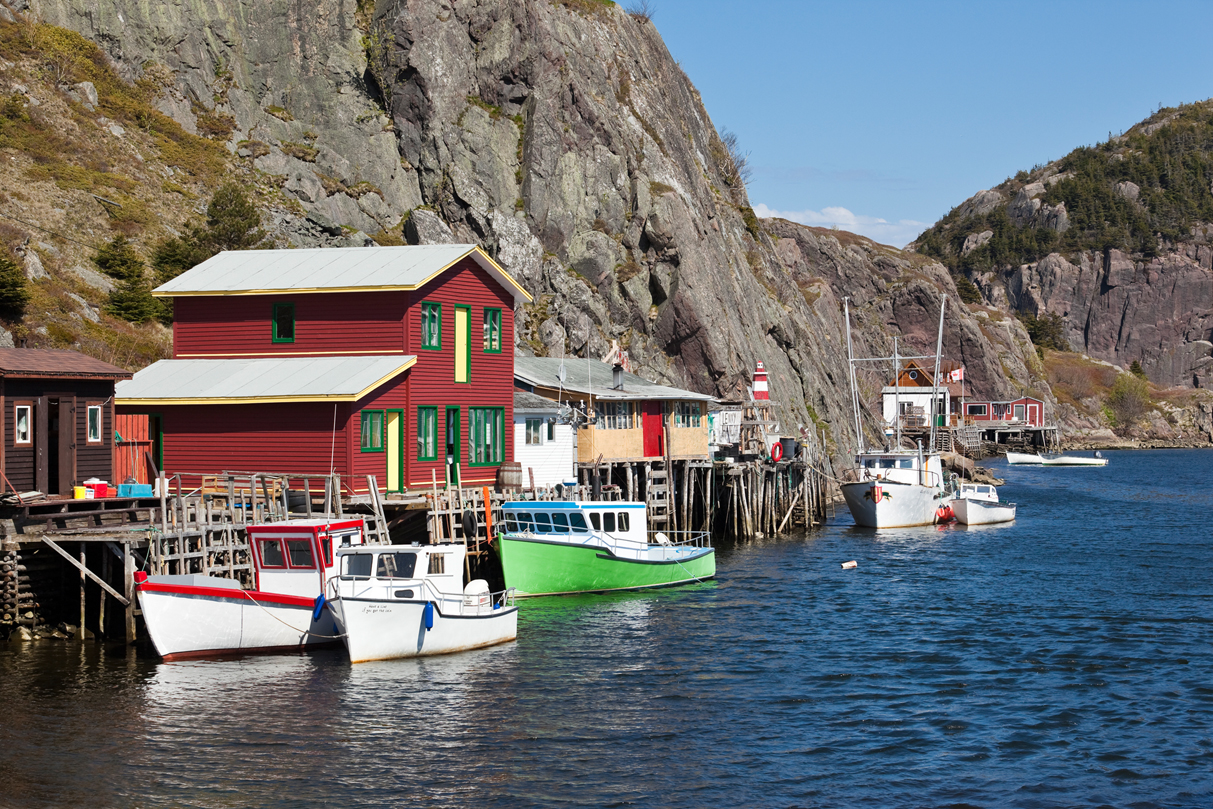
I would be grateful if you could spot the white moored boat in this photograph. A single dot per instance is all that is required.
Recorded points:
(1023, 458)
(1074, 460)
(897, 489)
(393, 601)
(978, 504)
(199, 616)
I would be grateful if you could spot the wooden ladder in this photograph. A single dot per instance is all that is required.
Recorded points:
(376, 522)
(657, 496)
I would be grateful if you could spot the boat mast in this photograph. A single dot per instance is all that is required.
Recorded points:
(897, 393)
(846, 306)
(943, 305)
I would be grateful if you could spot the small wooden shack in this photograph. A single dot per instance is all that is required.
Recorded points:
(58, 411)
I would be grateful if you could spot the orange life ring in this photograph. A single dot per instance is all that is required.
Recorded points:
(776, 451)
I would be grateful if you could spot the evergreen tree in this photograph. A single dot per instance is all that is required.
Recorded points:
(14, 289)
(233, 221)
(118, 259)
(132, 299)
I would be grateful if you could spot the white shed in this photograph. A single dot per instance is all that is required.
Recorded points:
(543, 445)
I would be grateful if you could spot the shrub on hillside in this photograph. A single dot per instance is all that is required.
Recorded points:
(968, 291)
(1046, 331)
(1129, 400)
(132, 299)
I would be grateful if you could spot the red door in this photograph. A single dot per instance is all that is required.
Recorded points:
(653, 435)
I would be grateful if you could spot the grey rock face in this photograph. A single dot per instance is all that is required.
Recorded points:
(981, 203)
(1128, 190)
(975, 240)
(33, 266)
(93, 278)
(1120, 309)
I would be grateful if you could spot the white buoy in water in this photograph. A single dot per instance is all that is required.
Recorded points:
(850, 565)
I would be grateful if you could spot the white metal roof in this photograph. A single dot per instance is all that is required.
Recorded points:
(256, 381)
(595, 378)
(330, 269)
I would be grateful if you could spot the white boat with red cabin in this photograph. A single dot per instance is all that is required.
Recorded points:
(200, 616)
(394, 601)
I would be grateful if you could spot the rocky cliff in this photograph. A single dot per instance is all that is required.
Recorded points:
(563, 137)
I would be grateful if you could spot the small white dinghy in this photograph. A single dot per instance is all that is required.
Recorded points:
(393, 601)
(1023, 458)
(1074, 460)
(978, 504)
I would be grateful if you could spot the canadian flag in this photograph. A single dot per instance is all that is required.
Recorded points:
(957, 375)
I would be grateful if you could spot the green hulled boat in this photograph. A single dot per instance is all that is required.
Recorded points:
(567, 547)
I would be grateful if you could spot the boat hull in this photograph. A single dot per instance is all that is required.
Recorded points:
(537, 567)
(981, 512)
(378, 629)
(888, 504)
(1071, 461)
(185, 621)
(1015, 458)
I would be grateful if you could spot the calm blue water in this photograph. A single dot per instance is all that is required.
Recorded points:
(1062, 661)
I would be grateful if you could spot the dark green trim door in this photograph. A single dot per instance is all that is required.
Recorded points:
(453, 435)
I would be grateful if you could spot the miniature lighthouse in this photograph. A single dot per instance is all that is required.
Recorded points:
(761, 392)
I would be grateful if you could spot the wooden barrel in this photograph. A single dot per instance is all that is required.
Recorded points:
(509, 476)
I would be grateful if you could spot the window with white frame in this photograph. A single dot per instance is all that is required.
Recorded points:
(615, 415)
(534, 431)
(976, 409)
(22, 416)
(94, 424)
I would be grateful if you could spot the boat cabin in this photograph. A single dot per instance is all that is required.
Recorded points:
(901, 467)
(285, 554)
(978, 491)
(577, 522)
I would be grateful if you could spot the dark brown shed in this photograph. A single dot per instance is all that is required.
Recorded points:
(58, 418)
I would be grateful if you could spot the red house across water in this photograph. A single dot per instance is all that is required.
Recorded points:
(396, 362)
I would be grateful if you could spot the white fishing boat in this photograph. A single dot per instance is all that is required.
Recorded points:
(394, 601)
(1074, 460)
(896, 488)
(1017, 458)
(978, 504)
(201, 616)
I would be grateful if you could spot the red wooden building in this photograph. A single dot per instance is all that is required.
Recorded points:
(58, 419)
(1024, 410)
(396, 362)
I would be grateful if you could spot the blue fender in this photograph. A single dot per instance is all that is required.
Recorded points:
(318, 608)
(429, 615)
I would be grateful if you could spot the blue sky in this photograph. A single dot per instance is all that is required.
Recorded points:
(879, 117)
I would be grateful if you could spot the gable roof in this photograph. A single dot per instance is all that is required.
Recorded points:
(261, 380)
(594, 378)
(330, 269)
(58, 363)
(525, 402)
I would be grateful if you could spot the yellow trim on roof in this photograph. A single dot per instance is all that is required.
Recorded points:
(482, 258)
(292, 399)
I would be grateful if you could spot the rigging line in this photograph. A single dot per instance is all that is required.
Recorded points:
(284, 623)
(53, 233)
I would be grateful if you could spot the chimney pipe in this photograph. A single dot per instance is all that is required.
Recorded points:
(617, 377)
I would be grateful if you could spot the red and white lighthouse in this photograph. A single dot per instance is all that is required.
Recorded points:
(761, 393)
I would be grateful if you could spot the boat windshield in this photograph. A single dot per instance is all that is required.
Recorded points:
(577, 521)
(543, 525)
(357, 565)
(271, 553)
(560, 523)
(396, 565)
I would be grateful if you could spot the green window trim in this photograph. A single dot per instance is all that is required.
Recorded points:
(374, 422)
(282, 313)
(486, 436)
(427, 433)
(431, 325)
(492, 331)
(467, 347)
